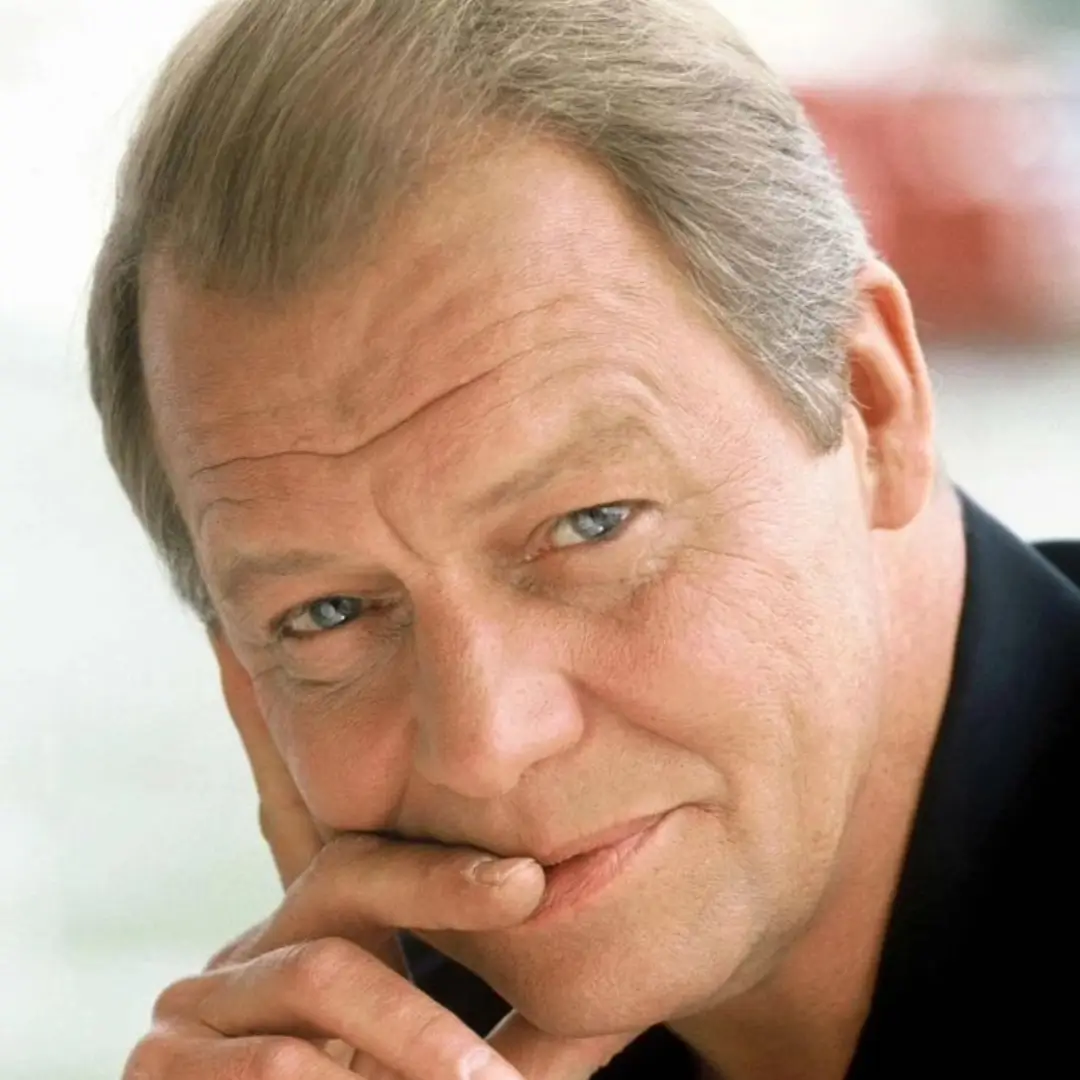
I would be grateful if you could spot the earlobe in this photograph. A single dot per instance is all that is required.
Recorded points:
(892, 401)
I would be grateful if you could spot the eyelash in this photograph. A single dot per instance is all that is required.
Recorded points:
(280, 630)
(634, 510)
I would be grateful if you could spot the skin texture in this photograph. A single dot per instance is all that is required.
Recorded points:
(761, 651)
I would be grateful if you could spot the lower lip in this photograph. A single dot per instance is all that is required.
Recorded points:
(571, 884)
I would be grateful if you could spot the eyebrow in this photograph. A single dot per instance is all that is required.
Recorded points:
(242, 570)
(593, 442)
(594, 439)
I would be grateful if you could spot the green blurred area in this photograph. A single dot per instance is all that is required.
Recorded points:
(1052, 14)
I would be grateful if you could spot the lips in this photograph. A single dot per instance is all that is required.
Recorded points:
(598, 841)
(573, 881)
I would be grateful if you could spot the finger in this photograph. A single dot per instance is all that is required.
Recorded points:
(180, 1057)
(367, 1068)
(177, 1009)
(237, 949)
(539, 1056)
(333, 989)
(338, 1051)
(284, 819)
(364, 888)
(291, 836)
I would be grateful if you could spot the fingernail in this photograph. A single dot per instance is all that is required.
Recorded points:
(496, 871)
(483, 1064)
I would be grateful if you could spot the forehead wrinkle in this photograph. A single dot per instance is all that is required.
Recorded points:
(533, 348)
(418, 341)
(353, 383)
(217, 504)
(338, 455)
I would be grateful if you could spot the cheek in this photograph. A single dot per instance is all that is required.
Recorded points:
(349, 758)
(708, 660)
(762, 671)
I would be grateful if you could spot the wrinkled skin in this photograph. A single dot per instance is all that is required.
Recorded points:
(417, 434)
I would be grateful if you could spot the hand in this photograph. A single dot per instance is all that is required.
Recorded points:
(318, 991)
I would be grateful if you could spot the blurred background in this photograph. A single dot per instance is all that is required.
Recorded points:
(128, 845)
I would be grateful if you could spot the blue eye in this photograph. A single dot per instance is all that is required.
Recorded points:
(591, 525)
(322, 616)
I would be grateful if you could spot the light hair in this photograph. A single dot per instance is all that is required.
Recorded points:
(282, 133)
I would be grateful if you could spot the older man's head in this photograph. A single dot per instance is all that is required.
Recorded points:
(511, 384)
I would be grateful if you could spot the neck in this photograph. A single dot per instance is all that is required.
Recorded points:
(804, 1020)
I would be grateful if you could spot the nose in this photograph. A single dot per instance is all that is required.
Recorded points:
(489, 700)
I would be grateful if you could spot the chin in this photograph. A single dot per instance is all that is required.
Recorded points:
(680, 930)
(581, 983)
(585, 1012)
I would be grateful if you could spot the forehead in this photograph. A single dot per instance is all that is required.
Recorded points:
(516, 279)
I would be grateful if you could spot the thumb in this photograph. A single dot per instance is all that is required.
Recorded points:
(288, 828)
(539, 1056)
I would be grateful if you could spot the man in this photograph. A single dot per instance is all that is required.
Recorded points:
(512, 391)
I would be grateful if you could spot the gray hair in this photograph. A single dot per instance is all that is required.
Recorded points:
(282, 133)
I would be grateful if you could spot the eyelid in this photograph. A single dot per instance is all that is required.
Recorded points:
(278, 627)
(543, 547)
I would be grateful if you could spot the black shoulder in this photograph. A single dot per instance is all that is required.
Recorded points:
(1064, 555)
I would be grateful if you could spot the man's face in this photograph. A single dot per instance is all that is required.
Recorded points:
(516, 550)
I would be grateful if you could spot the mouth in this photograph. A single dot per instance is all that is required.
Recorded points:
(570, 883)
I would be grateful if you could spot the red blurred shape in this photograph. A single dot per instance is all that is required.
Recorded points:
(969, 194)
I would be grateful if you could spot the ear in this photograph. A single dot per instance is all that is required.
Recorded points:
(891, 421)
(286, 824)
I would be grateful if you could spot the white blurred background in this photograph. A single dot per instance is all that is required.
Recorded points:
(128, 846)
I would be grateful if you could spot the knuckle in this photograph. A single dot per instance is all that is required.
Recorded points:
(151, 1059)
(178, 999)
(438, 1038)
(370, 1069)
(239, 949)
(326, 881)
(339, 857)
(327, 891)
(328, 860)
(281, 1059)
(313, 968)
